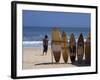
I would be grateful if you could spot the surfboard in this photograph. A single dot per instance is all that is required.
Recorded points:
(72, 48)
(80, 48)
(56, 44)
(64, 47)
(88, 49)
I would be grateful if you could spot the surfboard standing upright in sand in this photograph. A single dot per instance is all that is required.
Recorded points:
(88, 50)
(64, 47)
(80, 48)
(56, 44)
(72, 48)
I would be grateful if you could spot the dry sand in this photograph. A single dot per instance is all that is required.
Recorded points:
(33, 59)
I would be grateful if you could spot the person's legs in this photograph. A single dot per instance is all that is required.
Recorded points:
(43, 50)
(46, 48)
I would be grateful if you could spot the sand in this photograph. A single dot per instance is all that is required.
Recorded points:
(33, 58)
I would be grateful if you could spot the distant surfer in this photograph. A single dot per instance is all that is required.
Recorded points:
(45, 45)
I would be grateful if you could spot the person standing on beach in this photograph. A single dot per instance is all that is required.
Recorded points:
(45, 45)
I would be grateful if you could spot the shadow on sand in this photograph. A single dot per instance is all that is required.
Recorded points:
(76, 63)
(79, 64)
(50, 63)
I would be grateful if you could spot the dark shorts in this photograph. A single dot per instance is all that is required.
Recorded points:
(45, 48)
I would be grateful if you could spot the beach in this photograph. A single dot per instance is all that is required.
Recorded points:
(35, 27)
(33, 59)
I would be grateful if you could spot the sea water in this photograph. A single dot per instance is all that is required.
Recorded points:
(33, 36)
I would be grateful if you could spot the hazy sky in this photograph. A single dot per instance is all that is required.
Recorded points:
(55, 19)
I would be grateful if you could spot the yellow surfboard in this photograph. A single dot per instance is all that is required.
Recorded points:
(64, 47)
(56, 44)
(88, 49)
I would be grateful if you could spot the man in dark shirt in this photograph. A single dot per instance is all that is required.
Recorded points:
(45, 45)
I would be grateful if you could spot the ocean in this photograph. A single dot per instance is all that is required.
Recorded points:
(33, 36)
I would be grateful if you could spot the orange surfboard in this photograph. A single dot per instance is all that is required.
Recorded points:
(64, 47)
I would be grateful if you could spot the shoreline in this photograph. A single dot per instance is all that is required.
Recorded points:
(39, 44)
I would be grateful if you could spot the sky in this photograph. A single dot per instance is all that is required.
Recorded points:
(55, 19)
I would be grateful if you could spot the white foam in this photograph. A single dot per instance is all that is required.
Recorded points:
(32, 42)
(39, 44)
(36, 44)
